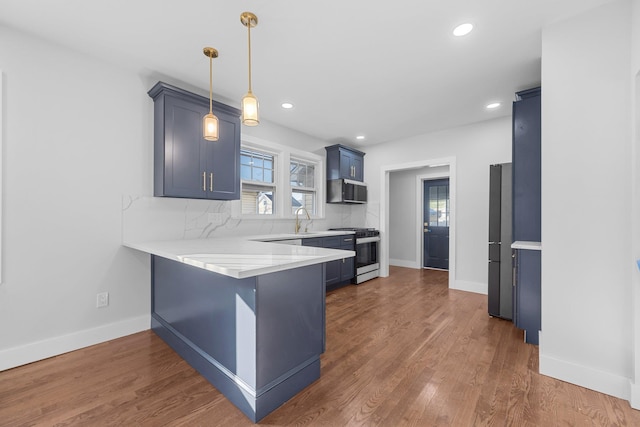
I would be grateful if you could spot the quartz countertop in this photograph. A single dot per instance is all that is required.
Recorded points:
(300, 235)
(522, 244)
(246, 256)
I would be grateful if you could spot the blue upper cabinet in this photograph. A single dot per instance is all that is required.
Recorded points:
(344, 163)
(185, 164)
(526, 154)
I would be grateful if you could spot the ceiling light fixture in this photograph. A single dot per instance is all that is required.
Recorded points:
(492, 106)
(360, 137)
(462, 29)
(287, 105)
(210, 122)
(249, 102)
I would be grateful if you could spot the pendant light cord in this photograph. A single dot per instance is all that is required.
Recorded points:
(249, 38)
(210, 83)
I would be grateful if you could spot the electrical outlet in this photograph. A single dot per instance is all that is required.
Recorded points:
(102, 299)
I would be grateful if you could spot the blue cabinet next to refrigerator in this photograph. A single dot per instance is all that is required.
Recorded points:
(526, 161)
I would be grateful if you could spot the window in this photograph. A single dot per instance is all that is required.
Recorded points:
(257, 171)
(277, 180)
(303, 190)
(439, 206)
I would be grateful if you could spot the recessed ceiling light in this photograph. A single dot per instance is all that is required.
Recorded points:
(493, 106)
(462, 29)
(287, 105)
(360, 137)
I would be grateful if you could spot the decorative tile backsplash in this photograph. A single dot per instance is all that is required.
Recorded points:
(146, 218)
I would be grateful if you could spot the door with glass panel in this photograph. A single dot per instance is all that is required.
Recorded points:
(436, 224)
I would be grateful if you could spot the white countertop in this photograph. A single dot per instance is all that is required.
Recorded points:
(246, 256)
(301, 235)
(522, 244)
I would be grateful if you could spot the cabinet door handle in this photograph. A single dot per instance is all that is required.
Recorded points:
(204, 181)
(211, 181)
(514, 270)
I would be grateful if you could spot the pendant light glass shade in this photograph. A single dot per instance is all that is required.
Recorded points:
(210, 127)
(249, 102)
(210, 122)
(250, 110)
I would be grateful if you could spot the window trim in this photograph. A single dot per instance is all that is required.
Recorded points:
(282, 186)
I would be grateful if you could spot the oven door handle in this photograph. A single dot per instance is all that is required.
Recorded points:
(367, 240)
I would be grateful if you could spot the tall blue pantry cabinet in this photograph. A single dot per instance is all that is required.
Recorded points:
(185, 164)
(526, 160)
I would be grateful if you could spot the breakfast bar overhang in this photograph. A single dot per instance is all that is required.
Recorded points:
(249, 316)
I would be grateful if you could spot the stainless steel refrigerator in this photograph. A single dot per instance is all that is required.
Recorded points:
(500, 262)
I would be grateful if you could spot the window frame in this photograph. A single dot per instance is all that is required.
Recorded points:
(282, 185)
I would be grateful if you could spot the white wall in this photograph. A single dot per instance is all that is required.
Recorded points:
(76, 136)
(78, 139)
(586, 205)
(402, 230)
(474, 147)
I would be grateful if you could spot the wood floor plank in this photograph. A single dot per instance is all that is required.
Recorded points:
(401, 351)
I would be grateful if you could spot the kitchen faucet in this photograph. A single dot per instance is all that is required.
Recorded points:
(298, 221)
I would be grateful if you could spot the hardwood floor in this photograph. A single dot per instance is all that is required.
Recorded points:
(402, 350)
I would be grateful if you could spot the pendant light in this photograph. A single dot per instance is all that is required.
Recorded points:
(249, 102)
(210, 122)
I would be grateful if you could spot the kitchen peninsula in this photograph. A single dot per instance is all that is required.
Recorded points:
(248, 313)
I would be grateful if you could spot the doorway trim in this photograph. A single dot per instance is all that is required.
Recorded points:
(385, 170)
(634, 382)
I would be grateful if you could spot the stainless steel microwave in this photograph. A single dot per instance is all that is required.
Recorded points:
(346, 191)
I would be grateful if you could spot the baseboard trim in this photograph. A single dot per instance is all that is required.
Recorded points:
(634, 395)
(476, 287)
(603, 382)
(40, 350)
(403, 263)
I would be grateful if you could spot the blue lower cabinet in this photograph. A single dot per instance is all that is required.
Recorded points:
(348, 267)
(527, 298)
(257, 340)
(341, 271)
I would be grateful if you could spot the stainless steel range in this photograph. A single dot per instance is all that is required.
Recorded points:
(367, 245)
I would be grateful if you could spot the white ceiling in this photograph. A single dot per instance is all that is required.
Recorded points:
(385, 69)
